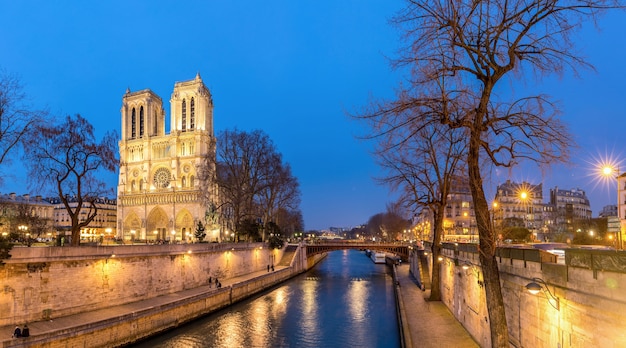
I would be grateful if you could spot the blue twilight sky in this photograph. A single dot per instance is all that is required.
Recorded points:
(290, 68)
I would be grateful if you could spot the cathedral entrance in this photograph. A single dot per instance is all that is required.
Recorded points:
(156, 226)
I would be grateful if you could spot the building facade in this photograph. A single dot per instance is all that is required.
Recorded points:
(24, 215)
(101, 228)
(621, 210)
(165, 183)
(520, 201)
(459, 221)
(569, 206)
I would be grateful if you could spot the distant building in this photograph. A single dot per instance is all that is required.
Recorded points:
(569, 206)
(16, 213)
(459, 219)
(608, 210)
(521, 202)
(102, 226)
(459, 222)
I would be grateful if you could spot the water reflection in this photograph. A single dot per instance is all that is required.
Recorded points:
(345, 301)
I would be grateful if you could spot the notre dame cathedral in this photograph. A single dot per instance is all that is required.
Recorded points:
(164, 186)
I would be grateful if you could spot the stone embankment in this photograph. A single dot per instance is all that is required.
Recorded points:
(122, 323)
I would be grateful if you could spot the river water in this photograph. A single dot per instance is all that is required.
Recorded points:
(344, 301)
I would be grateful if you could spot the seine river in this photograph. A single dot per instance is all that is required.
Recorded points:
(344, 301)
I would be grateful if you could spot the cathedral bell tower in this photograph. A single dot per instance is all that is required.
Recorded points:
(162, 191)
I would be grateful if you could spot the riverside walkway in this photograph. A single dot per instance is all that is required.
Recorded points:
(429, 324)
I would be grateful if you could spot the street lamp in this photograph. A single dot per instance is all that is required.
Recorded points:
(24, 230)
(611, 171)
(537, 285)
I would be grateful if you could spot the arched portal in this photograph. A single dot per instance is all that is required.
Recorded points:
(132, 227)
(184, 226)
(156, 226)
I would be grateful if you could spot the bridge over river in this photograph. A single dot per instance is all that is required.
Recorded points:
(399, 249)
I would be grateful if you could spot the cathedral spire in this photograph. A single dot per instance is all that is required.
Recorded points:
(198, 78)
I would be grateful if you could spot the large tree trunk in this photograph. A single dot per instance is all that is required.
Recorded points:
(487, 247)
(435, 288)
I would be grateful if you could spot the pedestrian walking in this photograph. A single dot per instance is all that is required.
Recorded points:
(25, 331)
(268, 268)
(272, 268)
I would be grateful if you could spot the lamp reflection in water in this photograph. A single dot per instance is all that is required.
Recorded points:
(538, 285)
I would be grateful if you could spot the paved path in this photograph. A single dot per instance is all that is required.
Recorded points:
(430, 324)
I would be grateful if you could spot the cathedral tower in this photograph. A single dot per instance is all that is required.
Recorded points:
(162, 191)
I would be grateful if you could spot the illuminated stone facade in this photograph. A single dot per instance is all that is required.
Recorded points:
(164, 188)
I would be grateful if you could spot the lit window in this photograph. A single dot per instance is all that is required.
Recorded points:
(184, 116)
(141, 122)
(133, 122)
(192, 116)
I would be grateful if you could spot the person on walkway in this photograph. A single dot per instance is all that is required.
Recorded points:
(272, 268)
(25, 331)
(17, 333)
(268, 268)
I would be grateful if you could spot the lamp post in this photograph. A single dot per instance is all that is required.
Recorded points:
(610, 171)
(524, 197)
(24, 230)
(537, 285)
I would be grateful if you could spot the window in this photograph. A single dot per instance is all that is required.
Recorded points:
(184, 181)
(155, 128)
(191, 181)
(192, 116)
(141, 122)
(133, 122)
(184, 116)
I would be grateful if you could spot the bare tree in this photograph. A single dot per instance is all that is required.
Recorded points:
(67, 157)
(469, 49)
(421, 165)
(388, 225)
(290, 221)
(16, 117)
(242, 160)
(281, 191)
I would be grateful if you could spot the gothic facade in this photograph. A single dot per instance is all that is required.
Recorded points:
(165, 184)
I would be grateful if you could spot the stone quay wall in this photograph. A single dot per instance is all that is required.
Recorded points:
(589, 288)
(41, 283)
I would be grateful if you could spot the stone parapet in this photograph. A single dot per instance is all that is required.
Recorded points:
(589, 288)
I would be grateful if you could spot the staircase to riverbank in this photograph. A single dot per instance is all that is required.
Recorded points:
(290, 251)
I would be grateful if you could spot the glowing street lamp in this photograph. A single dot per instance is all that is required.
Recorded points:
(609, 171)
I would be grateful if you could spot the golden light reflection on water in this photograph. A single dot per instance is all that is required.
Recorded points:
(227, 330)
(310, 308)
(357, 298)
